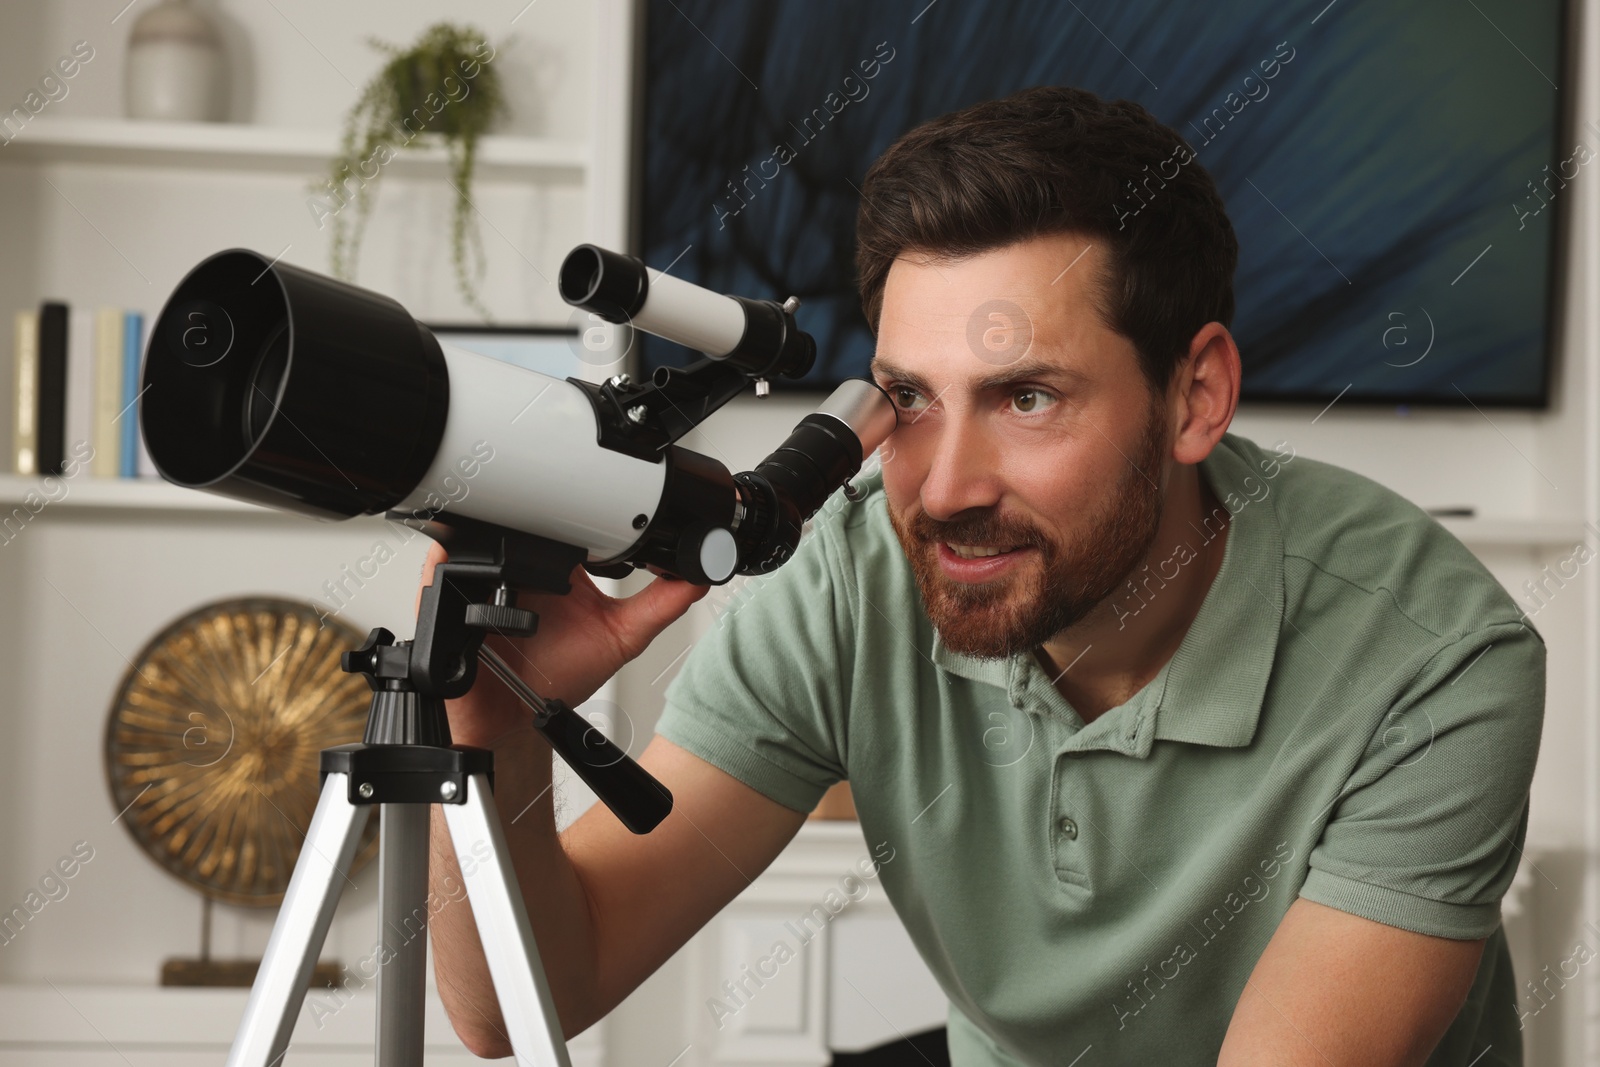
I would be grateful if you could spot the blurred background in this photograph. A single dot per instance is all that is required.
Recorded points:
(1417, 295)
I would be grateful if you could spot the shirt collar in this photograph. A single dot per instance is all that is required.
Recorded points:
(1210, 692)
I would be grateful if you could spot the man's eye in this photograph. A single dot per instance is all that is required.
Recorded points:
(905, 398)
(1030, 400)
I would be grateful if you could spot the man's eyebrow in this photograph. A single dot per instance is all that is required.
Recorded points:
(881, 366)
(1016, 373)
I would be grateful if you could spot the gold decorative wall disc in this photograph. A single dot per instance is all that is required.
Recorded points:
(213, 740)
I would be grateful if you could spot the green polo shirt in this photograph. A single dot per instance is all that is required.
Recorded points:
(1353, 718)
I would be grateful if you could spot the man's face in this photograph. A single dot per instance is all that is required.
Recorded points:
(1025, 426)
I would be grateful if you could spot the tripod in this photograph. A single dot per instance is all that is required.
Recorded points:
(405, 764)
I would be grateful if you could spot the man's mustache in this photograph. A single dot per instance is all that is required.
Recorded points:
(978, 530)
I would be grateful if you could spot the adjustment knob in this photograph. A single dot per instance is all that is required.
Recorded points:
(719, 554)
(503, 618)
(378, 657)
(364, 660)
(709, 554)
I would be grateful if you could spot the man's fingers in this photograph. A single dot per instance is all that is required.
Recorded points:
(642, 616)
(436, 555)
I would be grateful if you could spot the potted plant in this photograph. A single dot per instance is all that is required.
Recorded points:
(442, 85)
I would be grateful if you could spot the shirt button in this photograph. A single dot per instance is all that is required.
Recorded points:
(1069, 829)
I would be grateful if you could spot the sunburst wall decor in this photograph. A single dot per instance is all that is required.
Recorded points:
(213, 739)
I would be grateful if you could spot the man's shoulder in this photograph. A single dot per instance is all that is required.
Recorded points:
(1344, 528)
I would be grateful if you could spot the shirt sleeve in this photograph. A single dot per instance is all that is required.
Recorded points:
(1428, 831)
(763, 694)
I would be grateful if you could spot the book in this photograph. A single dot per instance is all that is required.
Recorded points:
(145, 467)
(25, 381)
(51, 422)
(128, 420)
(107, 392)
(80, 378)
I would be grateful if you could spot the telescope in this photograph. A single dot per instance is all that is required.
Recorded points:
(272, 384)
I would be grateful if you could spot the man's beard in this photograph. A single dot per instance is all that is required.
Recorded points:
(1018, 613)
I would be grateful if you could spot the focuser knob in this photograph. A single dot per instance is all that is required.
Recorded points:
(503, 619)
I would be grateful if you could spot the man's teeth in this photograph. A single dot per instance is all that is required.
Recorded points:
(976, 551)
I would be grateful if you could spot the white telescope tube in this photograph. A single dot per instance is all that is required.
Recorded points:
(544, 472)
(690, 315)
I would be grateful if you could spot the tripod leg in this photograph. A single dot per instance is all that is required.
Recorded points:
(301, 928)
(403, 911)
(532, 1025)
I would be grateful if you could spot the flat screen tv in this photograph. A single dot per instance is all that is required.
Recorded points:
(1396, 184)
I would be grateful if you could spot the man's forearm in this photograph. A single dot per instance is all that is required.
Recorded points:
(558, 908)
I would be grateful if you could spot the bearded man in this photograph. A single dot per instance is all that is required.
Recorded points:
(1189, 750)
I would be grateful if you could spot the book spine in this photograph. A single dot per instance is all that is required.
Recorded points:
(52, 419)
(145, 467)
(25, 413)
(128, 426)
(80, 379)
(107, 391)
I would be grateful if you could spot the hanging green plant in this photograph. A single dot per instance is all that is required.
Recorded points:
(444, 84)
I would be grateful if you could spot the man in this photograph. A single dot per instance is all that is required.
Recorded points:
(1190, 751)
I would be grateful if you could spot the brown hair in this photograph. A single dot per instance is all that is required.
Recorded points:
(1054, 159)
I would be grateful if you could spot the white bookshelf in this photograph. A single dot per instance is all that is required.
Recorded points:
(242, 146)
(84, 493)
(102, 210)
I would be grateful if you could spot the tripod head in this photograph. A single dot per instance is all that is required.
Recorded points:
(474, 594)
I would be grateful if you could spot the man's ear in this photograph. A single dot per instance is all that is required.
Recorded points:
(1205, 393)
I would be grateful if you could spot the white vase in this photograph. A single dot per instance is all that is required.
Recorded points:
(175, 68)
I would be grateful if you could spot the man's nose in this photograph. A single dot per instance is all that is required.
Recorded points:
(964, 471)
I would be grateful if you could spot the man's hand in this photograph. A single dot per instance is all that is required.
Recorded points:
(1333, 989)
(584, 638)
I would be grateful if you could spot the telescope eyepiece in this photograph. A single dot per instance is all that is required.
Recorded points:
(607, 283)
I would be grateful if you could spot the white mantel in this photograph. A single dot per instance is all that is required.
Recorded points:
(68, 1025)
